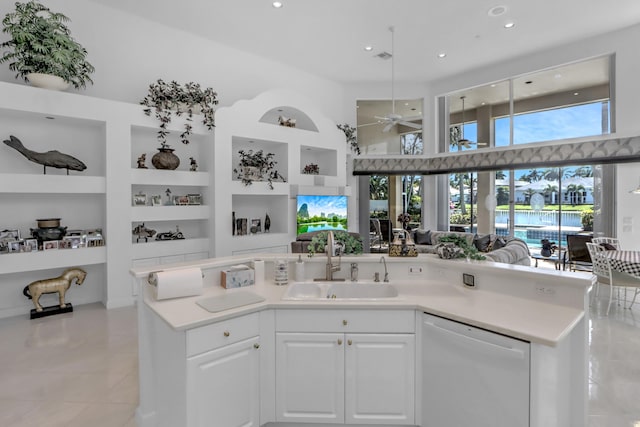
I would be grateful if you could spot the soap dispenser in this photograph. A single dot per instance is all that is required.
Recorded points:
(300, 269)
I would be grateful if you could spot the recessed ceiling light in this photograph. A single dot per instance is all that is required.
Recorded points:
(576, 93)
(277, 4)
(442, 55)
(497, 11)
(558, 76)
(368, 48)
(509, 25)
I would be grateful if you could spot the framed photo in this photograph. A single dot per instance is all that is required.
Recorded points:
(256, 226)
(50, 245)
(9, 235)
(15, 246)
(156, 200)
(180, 200)
(194, 199)
(31, 245)
(139, 199)
(72, 242)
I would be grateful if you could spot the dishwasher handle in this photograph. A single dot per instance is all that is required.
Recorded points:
(505, 350)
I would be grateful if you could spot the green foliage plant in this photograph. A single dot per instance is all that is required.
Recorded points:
(41, 43)
(168, 99)
(468, 251)
(264, 163)
(586, 218)
(351, 244)
(350, 135)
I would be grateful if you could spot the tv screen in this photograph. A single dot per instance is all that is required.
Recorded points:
(316, 213)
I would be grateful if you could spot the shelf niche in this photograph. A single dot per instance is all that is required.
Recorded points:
(302, 121)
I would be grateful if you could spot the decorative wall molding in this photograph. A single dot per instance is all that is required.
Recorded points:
(583, 152)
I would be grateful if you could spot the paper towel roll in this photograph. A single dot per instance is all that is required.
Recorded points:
(258, 269)
(177, 283)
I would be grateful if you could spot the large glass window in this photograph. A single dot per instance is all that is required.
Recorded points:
(569, 101)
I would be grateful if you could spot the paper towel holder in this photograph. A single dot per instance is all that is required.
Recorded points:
(151, 278)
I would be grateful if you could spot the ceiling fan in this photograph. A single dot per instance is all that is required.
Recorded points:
(392, 119)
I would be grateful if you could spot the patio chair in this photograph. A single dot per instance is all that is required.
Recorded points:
(610, 240)
(577, 253)
(375, 234)
(607, 276)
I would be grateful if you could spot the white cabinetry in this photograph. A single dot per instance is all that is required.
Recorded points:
(347, 374)
(223, 387)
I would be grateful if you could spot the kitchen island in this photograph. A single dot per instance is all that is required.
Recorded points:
(252, 365)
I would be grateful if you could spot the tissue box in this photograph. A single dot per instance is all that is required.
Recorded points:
(237, 277)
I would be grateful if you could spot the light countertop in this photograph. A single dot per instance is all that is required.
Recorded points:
(530, 319)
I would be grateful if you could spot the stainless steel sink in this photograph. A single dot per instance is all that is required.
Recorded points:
(318, 291)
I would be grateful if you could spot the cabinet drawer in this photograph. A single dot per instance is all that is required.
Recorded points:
(375, 321)
(223, 333)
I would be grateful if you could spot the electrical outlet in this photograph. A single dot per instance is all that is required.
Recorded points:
(415, 270)
(545, 290)
(468, 280)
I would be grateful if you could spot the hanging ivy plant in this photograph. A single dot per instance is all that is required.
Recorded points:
(350, 134)
(168, 99)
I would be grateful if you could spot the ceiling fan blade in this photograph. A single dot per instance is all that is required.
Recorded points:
(410, 124)
(388, 127)
(382, 118)
(369, 124)
(412, 118)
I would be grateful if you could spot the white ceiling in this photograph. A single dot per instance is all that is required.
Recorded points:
(327, 37)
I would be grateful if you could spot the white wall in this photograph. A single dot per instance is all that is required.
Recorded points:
(129, 53)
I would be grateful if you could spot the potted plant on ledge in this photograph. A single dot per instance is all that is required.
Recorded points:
(256, 166)
(41, 50)
(169, 99)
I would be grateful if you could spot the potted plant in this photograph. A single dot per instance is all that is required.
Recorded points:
(41, 48)
(350, 244)
(255, 166)
(586, 218)
(169, 99)
(311, 169)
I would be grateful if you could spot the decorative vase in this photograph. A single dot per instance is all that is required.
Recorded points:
(252, 173)
(48, 229)
(47, 81)
(165, 159)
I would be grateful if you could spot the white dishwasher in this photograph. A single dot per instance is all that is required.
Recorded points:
(472, 377)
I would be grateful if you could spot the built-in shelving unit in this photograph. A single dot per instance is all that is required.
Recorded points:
(108, 136)
(254, 125)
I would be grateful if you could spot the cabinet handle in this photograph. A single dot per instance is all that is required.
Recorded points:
(226, 333)
(256, 345)
(339, 341)
(344, 322)
(349, 342)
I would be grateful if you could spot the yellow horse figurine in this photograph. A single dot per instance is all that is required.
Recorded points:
(53, 285)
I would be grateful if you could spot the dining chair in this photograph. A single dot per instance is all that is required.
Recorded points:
(613, 241)
(577, 255)
(608, 276)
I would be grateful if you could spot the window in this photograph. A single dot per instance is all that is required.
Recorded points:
(568, 101)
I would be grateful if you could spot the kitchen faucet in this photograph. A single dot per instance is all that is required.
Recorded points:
(386, 272)
(331, 267)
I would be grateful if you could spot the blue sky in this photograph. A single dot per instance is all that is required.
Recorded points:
(324, 204)
(570, 122)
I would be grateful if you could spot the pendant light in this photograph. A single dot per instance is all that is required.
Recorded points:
(463, 141)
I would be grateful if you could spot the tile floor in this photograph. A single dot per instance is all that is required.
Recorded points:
(80, 369)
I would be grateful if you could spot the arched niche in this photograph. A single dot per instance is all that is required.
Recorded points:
(302, 120)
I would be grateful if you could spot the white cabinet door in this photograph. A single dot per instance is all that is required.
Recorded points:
(223, 386)
(380, 379)
(310, 377)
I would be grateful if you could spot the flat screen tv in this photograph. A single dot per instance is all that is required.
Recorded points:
(317, 213)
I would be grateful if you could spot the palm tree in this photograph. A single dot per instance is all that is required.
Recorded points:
(549, 191)
(379, 187)
(584, 172)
